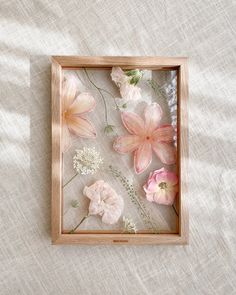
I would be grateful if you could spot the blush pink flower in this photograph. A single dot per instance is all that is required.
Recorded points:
(74, 107)
(128, 91)
(161, 187)
(146, 136)
(104, 202)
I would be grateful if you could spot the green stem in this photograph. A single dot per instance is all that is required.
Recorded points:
(108, 92)
(70, 180)
(100, 92)
(81, 221)
(173, 206)
(144, 212)
(118, 174)
(66, 211)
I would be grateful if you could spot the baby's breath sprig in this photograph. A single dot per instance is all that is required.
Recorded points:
(129, 226)
(135, 199)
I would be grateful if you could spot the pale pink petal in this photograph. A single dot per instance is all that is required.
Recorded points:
(95, 208)
(66, 140)
(104, 201)
(125, 144)
(153, 115)
(166, 176)
(81, 127)
(93, 192)
(133, 122)
(165, 152)
(83, 103)
(129, 91)
(68, 92)
(117, 75)
(152, 186)
(165, 197)
(150, 197)
(164, 133)
(142, 157)
(112, 213)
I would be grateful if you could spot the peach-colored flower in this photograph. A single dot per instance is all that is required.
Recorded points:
(104, 202)
(161, 187)
(74, 107)
(146, 135)
(128, 91)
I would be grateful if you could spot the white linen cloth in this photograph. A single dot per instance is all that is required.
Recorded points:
(31, 31)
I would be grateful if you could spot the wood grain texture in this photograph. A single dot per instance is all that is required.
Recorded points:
(148, 62)
(56, 151)
(183, 152)
(156, 63)
(120, 239)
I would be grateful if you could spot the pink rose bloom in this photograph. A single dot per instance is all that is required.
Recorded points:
(104, 202)
(161, 187)
(128, 91)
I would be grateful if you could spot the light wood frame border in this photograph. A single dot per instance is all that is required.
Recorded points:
(155, 63)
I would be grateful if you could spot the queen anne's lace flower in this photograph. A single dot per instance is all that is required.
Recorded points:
(87, 161)
(104, 202)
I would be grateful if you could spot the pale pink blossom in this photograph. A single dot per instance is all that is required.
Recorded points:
(146, 136)
(161, 187)
(74, 108)
(104, 201)
(128, 91)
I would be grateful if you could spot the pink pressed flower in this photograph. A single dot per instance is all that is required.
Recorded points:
(161, 187)
(73, 110)
(128, 91)
(146, 135)
(104, 202)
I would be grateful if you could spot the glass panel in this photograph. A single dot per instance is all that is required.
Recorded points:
(134, 118)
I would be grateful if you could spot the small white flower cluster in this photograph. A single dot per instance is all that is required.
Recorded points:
(87, 161)
(129, 225)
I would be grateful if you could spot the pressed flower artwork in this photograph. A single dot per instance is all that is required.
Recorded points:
(119, 148)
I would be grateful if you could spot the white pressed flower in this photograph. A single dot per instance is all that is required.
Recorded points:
(129, 225)
(87, 161)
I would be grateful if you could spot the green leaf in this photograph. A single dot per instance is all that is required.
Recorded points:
(109, 129)
(74, 203)
(132, 73)
(134, 80)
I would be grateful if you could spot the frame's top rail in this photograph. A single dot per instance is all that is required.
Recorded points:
(122, 61)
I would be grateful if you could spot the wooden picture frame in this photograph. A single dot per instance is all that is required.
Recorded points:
(59, 63)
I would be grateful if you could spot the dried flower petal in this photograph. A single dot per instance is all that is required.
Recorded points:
(104, 201)
(72, 110)
(161, 187)
(145, 136)
(127, 81)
